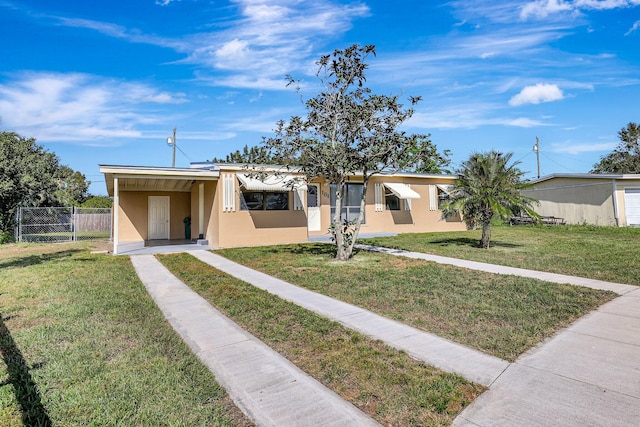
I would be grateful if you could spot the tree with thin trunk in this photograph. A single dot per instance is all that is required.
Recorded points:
(349, 131)
(487, 187)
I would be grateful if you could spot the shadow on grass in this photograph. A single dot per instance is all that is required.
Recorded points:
(465, 241)
(327, 250)
(25, 389)
(37, 259)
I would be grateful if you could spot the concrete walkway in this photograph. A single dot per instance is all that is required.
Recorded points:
(588, 374)
(266, 386)
(433, 350)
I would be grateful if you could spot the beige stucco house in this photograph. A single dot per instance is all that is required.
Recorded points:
(228, 207)
(598, 199)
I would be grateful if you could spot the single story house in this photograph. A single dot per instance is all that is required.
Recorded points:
(228, 207)
(598, 199)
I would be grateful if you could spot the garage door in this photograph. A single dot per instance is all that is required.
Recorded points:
(632, 205)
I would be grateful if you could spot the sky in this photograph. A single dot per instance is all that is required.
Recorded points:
(106, 82)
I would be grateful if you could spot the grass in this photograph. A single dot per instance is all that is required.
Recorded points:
(83, 344)
(386, 383)
(500, 315)
(605, 253)
(62, 236)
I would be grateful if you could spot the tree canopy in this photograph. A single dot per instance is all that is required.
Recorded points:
(625, 158)
(98, 202)
(32, 176)
(348, 130)
(488, 186)
(73, 187)
(254, 155)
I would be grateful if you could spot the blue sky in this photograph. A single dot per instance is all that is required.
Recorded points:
(105, 82)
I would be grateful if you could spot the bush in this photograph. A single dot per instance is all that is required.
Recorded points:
(6, 237)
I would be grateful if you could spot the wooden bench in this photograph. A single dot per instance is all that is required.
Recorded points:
(550, 220)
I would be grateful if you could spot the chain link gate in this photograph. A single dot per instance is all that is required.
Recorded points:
(63, 224)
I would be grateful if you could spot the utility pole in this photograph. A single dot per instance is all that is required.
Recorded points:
(536, 148)
(172, 141)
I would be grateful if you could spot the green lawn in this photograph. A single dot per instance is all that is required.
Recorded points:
(386, 383)
(605, 253)
(500, 315)
(83, 344)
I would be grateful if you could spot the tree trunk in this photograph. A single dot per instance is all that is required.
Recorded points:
(337, 225)
(356, 231)
(486, 234)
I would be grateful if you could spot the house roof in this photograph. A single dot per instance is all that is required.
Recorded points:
(587, 176)
(154, 178)
(148, 178)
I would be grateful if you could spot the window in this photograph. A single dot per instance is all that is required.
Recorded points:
(443, 197)
(392, 202)
(350, 201)
(264, 200)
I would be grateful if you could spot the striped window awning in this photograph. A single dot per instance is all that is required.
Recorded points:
(275, 183)
(402, 191)
(446, 188)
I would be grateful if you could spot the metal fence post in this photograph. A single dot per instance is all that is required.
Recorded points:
(20, 224)
(74, 223)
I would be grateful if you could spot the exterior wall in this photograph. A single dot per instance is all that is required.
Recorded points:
(583, 200)
(195, 212)
(578, 201)
(254, 228)
(212, 208)
(417, 220)
(134, 217)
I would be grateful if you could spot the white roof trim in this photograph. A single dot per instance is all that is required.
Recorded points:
(402, 191)
(276, 183)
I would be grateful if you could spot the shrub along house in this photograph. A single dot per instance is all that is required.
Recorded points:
(228, 207)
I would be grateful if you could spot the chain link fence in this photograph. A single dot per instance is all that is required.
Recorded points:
(63, 224)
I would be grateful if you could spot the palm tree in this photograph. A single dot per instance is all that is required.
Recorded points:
(488, 186)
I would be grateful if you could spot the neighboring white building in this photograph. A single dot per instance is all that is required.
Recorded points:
(598, 199)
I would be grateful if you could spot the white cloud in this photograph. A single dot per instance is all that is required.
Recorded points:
(541, 92)
(271, 39)
(635, 26)
(570, 148)
(268, 40)
(468, 116)
(544, 8)
(524, 122)
(78, 107)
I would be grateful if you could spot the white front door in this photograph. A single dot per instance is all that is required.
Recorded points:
(313, 207)
(632, 205)
(158, 217)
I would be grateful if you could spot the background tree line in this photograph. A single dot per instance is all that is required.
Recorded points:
(33, 177)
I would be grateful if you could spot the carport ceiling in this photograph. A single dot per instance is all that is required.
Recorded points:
(132, 178)
(155, 184)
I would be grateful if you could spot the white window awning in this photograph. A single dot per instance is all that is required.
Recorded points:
(275, 183)
(402, 191)
(445, 188)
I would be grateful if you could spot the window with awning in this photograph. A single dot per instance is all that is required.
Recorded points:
(438, 194)
(270, 192)
(401, 191)
(273, 183)
(391, 201)
(445, 188)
